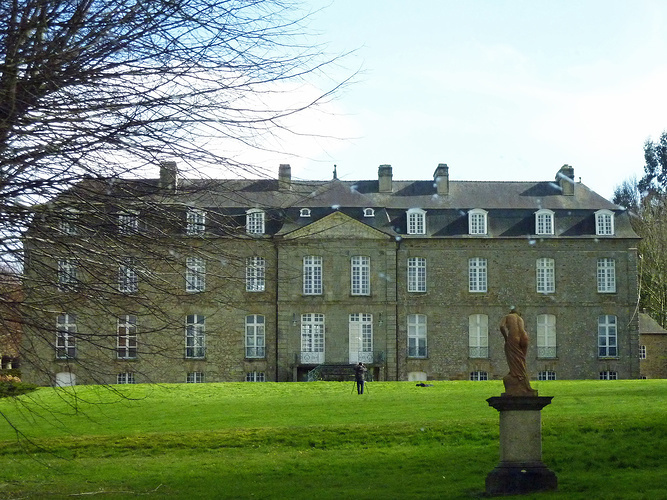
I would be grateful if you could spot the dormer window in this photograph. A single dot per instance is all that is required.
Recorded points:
(477, 221)
(254, 223)
(369, 212)
(416, 221)
(604, 223)
(69, 222)
(196, 221)
(305, 212)
(544, 222)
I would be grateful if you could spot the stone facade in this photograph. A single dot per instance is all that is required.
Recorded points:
(652, 348)
(410, 277)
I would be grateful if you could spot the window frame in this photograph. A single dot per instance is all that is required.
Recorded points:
(478, 223)
(416, 221)
(478, 336)
(545, 375)
(128, 222)
(255, 336)
(606, 275)
(642, 351)
(255, 274)
(66, 338)
(312, 275)
(195, 274)
(604, 223)
(195, 221)
(479, 376)
(255, 376)
(369, 212)
(313, 332)
(69, 222)
(68, 274)
(417, 335)
(305, 212)
(124, 378)
(194, 378)
(126, 337)
(128, 277)
(608, 375)
(416, 272)
(477, 275)
(360, 275)
(545, 275)
(195, 336)
(607, 336)
(546, 336)
(255, 221)
(544, 222)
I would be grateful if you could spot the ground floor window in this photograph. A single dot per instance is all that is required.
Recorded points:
(546, 375)
(125, 378)
(195, 378)
(477, 375)
(608, 375)
(255, 377)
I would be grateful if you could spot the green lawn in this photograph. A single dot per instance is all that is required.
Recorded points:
(604, 439)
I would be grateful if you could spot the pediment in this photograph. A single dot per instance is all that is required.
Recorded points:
(336, 226)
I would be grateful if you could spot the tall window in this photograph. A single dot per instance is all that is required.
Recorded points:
(477, 274)
(312, 338)
(68, 274)
(255, 377)
(361, 275)
(544, 222)
(66, 336)
(254, 336)
(254, 221)
(642, 352)
(255, 274)
(128, 279)
(195, 336)
(125, 378)
(546, 336)
(416, 221)
(608, 375)
(607, 336)
(126, 337)
(128, 222)
(361, 338)
(546, 375)
(478, 335)
(312, 275)
(604, 223)
(194, 378)
(195, 221)
(69, 223)
(606, 275)
(417, 347)
(546, 277)
(416, 274)
(477, 221)
(479, 375)
(195, 274)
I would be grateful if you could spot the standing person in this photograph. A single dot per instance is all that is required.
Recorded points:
(360, 376)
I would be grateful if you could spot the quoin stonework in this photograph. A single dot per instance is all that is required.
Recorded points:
(204, 280)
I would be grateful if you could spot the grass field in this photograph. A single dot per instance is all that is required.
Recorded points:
(604, 440)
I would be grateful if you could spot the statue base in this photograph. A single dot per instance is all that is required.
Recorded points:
(520, 469)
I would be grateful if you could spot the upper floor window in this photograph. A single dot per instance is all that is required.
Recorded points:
(195, 221)
(360, 275)
(255, 274)
(416, 221)
(128, 279)
(304, 212)
(477, 221)
(642, 352)
(606, 275)
(66, 336)
(546, 275)
(478, 335)
(195, 274)
(416, 274)
(417, 346)
(254, 336)
(477, 274)
(604, 223)
(312, 275)
(195, 336)
(544, 222)
(69, 222)
(254, 223)
(126, 337)
(128, 222)
(546, 336)
(68, 274)
(607, 336)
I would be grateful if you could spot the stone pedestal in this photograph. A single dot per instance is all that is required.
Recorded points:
(520, 469)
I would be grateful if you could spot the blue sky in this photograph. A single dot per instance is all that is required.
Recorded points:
(498, 90)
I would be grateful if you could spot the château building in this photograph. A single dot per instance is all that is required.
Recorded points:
(199, 280)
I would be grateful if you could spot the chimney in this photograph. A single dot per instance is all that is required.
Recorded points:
(284, 177)
(565, 179)
(441, 179)
(168, 176)
(384, 179)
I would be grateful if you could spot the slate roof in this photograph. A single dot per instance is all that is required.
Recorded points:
(649, 326)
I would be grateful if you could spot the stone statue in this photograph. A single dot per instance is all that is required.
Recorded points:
(516, 346)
